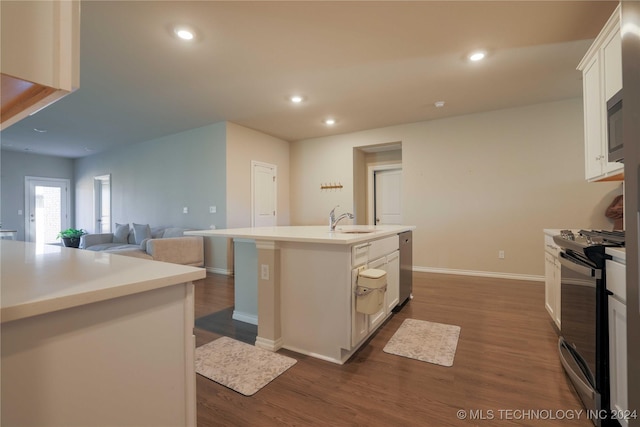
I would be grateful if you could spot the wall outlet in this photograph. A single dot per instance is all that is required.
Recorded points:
(212, 226)
(185, 210)
(501, 254)
(213, 209)
(264, 271)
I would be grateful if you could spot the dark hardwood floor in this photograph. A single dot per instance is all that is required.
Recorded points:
(506, 370)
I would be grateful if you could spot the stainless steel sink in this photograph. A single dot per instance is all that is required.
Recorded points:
(355, 230)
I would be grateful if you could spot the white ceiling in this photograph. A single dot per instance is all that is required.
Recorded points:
(369, 64)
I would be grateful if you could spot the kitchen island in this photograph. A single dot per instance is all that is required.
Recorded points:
(297, 283)
(95, 339)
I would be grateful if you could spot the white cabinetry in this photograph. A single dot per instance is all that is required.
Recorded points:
(392, 297)
(383, 255)
(40, 55)
(552, 279)
(601, 78)
(616, 283)
(377, 318)
(391, 265)
(612, 59)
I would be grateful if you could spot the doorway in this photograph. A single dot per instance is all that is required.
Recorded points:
(47, 208)
(263, 194)
(102, 203)
(385, 194)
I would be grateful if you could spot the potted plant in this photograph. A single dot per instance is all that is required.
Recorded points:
(71, 237)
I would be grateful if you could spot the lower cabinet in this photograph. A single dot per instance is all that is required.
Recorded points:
(377, 318)
(359, 321)
(617, 309)
(392, 297)
(552, 280)
(362, 324)
(618, 358)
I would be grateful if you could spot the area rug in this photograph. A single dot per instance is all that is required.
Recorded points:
(222, 323)
(241, 367)
(426, 341)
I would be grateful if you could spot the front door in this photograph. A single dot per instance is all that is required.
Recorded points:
(102, 199)
(47, 208)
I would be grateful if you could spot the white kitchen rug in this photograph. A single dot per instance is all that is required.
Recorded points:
(426, 341)
(241, 367)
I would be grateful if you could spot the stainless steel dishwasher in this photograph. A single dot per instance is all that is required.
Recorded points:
(406, 267)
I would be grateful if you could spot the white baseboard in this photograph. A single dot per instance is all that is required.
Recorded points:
(269, 344)
(513, 276)
(245, 317)
(215, 270)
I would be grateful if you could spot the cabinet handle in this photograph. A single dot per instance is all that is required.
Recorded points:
(366, 245)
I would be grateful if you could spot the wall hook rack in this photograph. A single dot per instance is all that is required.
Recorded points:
(331, 186)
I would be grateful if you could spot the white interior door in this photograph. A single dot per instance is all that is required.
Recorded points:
(263, 194)
(388, 196)
(102, 199)
(47, 209)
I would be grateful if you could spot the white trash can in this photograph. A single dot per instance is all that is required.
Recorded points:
(370, 290)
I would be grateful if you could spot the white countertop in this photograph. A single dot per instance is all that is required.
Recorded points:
(346, 235)
(618, 254)
(38, 279)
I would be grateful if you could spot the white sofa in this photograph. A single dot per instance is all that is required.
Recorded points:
(166, 244)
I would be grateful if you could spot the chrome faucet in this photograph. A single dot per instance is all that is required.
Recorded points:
(333, 221)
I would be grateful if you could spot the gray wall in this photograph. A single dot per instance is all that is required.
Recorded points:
(15, 165)
(152, 181)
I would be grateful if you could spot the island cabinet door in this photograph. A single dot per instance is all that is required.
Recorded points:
(359, 321)
(377, 318)
(392, 297)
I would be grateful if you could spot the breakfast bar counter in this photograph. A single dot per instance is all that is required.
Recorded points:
(343, 235)
(93, 338)
(297, 283)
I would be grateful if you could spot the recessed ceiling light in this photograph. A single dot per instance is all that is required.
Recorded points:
(184, 33)
(296, 99)
(439, 104)
(40, 130)
(478, 55)
(330, 122)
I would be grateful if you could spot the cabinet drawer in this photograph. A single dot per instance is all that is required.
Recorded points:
(384, 246)
(363, 252)
(617, 279)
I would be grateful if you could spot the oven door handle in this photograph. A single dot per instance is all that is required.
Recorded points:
(583, 387)
(565, 261)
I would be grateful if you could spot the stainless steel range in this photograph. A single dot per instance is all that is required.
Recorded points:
(584, 340)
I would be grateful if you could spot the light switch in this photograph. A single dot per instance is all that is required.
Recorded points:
(185, 210)
(264, 271)
(212, 209)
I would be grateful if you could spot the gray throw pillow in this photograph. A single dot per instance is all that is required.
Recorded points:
(141, 232)
(121, 234)
(173, 232)
(143, 245)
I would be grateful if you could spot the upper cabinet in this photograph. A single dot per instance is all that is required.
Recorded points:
(40, 55)
(601, 79)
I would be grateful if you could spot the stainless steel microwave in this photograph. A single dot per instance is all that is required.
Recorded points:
(614, 128)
